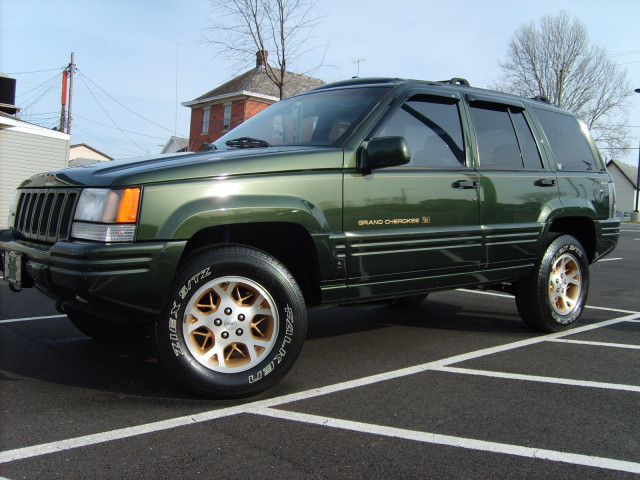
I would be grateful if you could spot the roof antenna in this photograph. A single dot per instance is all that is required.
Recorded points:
(358, 62)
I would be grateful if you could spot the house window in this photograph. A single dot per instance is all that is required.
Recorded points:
(226, 121)
(205, 119)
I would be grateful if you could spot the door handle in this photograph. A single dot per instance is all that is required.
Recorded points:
(465, 184)
(546, 182)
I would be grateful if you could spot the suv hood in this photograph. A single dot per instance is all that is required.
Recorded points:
(184, 166)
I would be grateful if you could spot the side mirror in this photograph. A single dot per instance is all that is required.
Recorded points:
(385, 152)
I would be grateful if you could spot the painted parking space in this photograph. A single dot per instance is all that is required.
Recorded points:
(278, 407)
(457, 388)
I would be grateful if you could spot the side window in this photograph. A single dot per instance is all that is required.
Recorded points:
(528, 147)
(570, 147)
(504, 138)
(432, 128)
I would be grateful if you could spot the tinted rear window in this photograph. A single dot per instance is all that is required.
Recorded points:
(570, 147)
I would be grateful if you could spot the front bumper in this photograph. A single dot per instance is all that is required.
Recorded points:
(129, 279)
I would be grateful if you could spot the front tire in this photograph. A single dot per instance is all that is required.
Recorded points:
(234, 323)
(552, 298)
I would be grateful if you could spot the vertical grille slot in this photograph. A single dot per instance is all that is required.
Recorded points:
(67, 212)
(45, 214)
(19, 210)
(37, 212)
(54, 225)
(24, 227)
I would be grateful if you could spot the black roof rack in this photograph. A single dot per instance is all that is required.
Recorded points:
(541, 98)
(457, 81)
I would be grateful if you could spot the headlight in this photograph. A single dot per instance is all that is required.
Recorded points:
(107, 215)
(612, 200)
(13, 209)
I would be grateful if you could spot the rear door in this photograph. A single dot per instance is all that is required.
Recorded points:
(517, 189)
(582, 177)
(416, 226)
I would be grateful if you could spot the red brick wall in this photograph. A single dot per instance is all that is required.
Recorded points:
(240, 111)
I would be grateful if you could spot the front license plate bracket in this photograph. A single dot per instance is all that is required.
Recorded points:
(13, 268)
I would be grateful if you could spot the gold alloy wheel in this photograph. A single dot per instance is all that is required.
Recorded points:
(230, 324)
(565, 284)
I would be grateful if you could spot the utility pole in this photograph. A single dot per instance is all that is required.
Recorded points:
(63, 100)
(635, 216)
(72, 71)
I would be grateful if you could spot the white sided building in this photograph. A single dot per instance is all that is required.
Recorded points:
(26, 150)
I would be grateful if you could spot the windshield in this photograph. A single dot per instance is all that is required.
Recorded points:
(323, 118)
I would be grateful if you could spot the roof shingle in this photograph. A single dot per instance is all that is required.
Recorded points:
(256, 81)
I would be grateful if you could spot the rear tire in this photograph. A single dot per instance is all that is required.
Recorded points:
(552, 298)
(234, 323)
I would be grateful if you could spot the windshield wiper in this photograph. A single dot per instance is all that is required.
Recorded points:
(246, 142)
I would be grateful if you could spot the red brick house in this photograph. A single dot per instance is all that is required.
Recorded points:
(225, 107)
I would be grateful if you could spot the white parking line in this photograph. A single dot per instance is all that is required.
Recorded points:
(468, 443)
(610, 259)
(596, 344)
(536, 378)
(128, 432)
(29, 319)
(507, 295)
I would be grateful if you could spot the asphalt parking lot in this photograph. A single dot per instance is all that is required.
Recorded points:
(456, 388)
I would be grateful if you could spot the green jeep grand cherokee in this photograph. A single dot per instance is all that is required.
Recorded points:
(358, 191)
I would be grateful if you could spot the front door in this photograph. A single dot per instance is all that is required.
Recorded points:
(415, 227)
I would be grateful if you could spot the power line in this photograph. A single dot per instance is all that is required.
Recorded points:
(55, 77)
(48, 86)
(103, 139)
(37, 71)
(619, 54)
(111, 126)
(99, 135)
(123, 106)
(105, 112)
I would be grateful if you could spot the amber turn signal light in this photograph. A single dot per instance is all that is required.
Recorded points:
(128, 211)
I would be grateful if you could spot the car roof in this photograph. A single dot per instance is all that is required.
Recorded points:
(456, 83)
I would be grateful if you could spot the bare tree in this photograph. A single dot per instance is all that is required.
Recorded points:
(280, 27)
(557, 61)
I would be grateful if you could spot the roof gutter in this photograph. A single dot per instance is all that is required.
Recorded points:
(245, 93)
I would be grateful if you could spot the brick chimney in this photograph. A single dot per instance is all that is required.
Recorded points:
(261, 58)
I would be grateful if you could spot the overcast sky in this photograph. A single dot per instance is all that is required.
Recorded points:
(138, 59)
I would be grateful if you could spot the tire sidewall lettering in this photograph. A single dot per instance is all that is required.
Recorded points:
(194, 281)
(173, 330)
(281, 352)
(571, 249)
(174, 314)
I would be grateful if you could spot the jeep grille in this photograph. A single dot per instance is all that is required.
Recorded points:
(44, 215)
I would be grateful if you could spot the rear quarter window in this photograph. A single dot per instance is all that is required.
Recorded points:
(568, 142)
